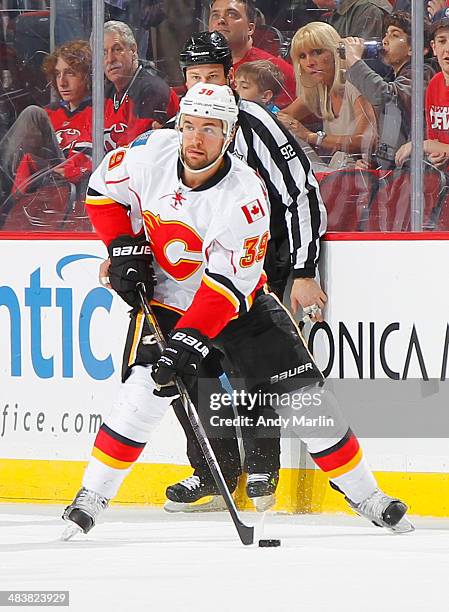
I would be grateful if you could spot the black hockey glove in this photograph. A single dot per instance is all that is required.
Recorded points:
(185, 350)
(131, 263)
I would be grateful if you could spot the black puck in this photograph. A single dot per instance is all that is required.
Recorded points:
(269, 543)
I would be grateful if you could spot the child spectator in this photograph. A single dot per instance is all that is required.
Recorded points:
(59, 137)
(259, 81)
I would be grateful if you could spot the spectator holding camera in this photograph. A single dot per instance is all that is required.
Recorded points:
(391, 99)
(436, 146)
(349, 122)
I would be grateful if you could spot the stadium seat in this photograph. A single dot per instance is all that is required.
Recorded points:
(51, 204)
(442, 213)
(268, 38)
(347, 195)
(391, 208)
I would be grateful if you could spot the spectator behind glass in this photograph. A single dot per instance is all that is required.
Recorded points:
(391, 100)
(349, 122)
(235, 19)
(73, 18)
(436, 9)
(436, 146)
(362, 18)
(59, 137)
(259, 81)
(357, 17)
(134, 96)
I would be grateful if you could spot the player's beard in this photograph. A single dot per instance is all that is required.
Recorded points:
(199, 163)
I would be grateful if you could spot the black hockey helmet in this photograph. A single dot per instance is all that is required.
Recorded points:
(206, 48)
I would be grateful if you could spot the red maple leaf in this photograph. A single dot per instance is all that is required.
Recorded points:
(255, 210)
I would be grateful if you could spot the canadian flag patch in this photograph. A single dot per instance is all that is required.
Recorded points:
(253, 211)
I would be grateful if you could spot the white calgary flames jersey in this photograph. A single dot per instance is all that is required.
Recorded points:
(208, 243)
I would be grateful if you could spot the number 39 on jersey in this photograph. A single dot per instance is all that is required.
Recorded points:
(255, 249)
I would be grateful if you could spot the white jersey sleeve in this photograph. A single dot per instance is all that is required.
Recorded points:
(112, 183)
(111, 178)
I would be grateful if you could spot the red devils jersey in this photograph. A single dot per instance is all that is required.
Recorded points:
(209, 243)
(73, 128)
(73, 131)
(132, 112)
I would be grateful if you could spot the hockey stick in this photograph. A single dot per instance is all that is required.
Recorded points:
(246, 532)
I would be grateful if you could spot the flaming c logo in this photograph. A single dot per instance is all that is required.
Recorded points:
(176, 246)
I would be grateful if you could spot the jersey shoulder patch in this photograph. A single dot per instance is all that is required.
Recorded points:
(253, 211)
(142, 139)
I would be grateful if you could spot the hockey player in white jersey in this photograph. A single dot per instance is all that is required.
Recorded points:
(297, 220)
(185, 211)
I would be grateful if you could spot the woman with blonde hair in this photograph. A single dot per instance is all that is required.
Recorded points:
(349, 122)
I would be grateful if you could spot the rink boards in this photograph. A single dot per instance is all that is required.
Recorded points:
(62, 338)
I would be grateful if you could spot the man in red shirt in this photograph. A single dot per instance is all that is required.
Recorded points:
(235, 19)
(134, 96)
(436, 146)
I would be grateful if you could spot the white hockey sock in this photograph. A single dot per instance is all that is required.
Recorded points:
(357, 484)
(135, 414)
(103, 479)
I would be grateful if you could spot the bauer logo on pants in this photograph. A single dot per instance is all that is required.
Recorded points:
(290, 373)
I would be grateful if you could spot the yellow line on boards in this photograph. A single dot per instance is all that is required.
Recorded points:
(299, 490)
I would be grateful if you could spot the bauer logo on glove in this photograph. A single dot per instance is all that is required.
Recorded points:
(191, 341)
(131, 263)
(183, 354)
(142, 249)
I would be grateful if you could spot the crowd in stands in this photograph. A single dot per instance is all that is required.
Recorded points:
(341, 83)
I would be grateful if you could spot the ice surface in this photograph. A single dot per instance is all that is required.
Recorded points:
(144, 559)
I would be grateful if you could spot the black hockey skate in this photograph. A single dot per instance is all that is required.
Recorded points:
(189, 495)
(261, 489)
(384, 511)
(82, 512)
